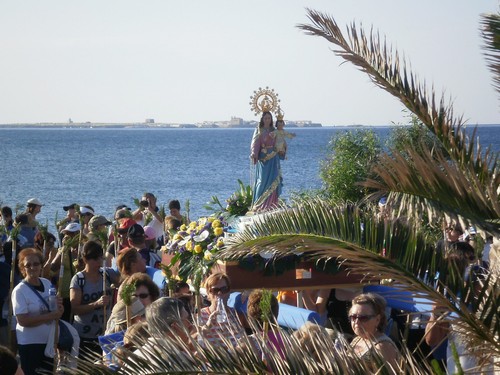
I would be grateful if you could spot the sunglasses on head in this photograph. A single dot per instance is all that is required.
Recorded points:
(142, 295)
(361, 318)
(223, 290)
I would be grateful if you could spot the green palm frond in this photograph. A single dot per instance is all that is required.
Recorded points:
(318, 230)
(429, 182)
(491, 34)
(465, 160)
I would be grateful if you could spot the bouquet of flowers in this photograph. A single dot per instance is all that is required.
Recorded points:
(195, 246)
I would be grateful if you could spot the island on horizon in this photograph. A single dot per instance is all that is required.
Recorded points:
(234, 122)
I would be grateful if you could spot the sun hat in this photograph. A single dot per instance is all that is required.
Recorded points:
(72, 228)
(150, 233)
(69, 207)
(97, 221)
(34, 201)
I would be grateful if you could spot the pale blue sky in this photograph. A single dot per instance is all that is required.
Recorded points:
(194, 60)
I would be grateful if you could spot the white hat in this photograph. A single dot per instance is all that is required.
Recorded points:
(35, 201)
(85, 210)
(72, 227)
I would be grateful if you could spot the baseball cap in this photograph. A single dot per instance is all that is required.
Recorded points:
(69, 207)
(34, 201)
(136, 231)
(125, 224)
(98, 220)
(72, 227)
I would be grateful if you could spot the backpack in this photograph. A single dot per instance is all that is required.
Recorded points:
(81, 278)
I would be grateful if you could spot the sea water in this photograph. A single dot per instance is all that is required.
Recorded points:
(105, 167)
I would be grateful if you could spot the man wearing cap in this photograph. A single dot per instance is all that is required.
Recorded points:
(137, 239)
(34, 206)
(71, 216)
(98, 229)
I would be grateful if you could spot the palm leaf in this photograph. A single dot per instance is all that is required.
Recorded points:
(161, 354)
(319, 230)
(491, 34)
(471, 165)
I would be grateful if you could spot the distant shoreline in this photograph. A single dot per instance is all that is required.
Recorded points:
(88, 125)
(147, 126)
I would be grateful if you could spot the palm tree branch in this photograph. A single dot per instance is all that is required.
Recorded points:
(384, 68)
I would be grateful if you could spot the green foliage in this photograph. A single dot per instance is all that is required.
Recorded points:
(352, 155)
(127, 292)
(414, 135)
(240, 201)
(265, 305)
(238, 204)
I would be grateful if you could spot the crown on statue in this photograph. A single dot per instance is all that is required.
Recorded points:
(264, 100)
(280, 114)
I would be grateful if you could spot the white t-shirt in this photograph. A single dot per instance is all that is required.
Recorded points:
(25, 301)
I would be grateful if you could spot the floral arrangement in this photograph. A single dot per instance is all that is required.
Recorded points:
(195, 246)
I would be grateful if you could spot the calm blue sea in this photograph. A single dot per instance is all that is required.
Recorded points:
(108, 167)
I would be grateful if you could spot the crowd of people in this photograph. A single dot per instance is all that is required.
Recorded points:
(79, 289)
(44, 285)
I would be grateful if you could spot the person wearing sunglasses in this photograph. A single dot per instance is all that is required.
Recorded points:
(145, 289)
(33, 312)
(213, 329)
(371, 344)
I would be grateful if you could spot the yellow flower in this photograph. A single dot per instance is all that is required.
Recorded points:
(220, 242)
(193, 225)
(199, 228)
(189, 246)
(177, 237)
(218, 231)
(210, 219)
(198, 249)
(183, 227)
(207, 255)
(216, 224)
